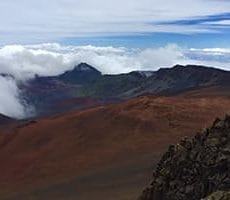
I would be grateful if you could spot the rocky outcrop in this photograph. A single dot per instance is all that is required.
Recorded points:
(219, 195)
(193, 169)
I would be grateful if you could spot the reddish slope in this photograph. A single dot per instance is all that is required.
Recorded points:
(61, 148)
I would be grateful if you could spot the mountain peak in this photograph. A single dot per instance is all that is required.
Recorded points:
(85, 67)
(81, 73)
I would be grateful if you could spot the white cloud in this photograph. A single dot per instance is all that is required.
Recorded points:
(217, 57)
(152, 59)
(23, 62)
(10, 103)
(49, 59)
(32, 20)
(221, 23)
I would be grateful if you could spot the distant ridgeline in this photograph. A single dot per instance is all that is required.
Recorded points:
(46, 94)
(5, 120)
(195, 169)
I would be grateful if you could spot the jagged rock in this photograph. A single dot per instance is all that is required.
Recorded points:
(193, 169)
(219, 195)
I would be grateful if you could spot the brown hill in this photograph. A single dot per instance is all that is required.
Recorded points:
(103, 150)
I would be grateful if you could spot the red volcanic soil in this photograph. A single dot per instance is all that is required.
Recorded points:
(100, 153)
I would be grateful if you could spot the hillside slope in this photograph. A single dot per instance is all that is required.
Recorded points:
(108, 148)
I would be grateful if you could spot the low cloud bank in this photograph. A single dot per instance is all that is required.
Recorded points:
(24, 62)
(10, 102)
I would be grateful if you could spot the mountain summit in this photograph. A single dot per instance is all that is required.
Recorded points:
(81, 74)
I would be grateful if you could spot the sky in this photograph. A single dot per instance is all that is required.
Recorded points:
(48, 37)
(130, 23)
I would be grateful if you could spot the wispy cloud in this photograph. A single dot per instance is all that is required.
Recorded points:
(210, 19)
(35, 21)
(210, 23)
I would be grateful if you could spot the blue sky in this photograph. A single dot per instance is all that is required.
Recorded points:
(130, 23)
(199, 40)
(217, 35)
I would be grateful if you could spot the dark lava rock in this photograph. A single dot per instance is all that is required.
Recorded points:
(194, 169)
(219, 195)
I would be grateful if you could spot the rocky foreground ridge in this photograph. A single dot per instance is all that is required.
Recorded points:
(195, 169)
